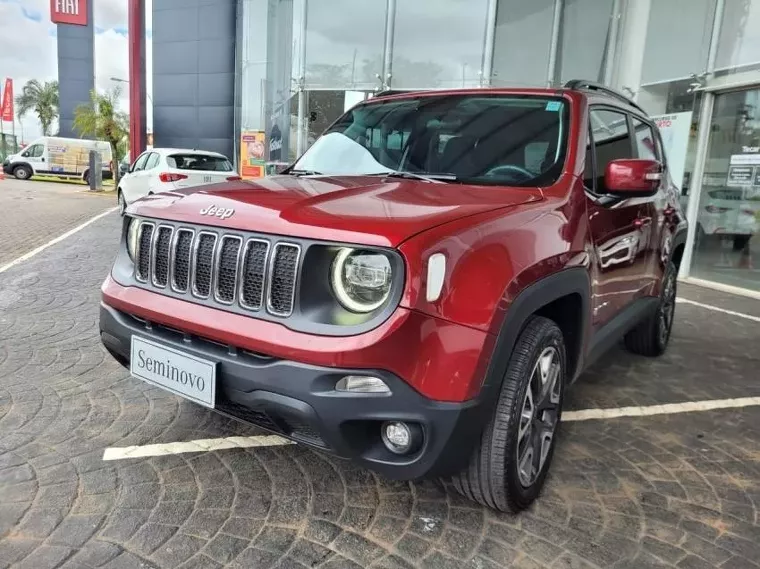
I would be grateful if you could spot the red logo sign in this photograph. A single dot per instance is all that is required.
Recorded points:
(7, 109)
(68, 12)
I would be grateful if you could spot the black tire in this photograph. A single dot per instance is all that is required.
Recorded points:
(22, 172)
(651, 336)
(122, 202)
(740, 242)
(86, 178)
(493, 477)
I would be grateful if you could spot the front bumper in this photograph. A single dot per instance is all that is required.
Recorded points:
(7, 168)
(298, 401)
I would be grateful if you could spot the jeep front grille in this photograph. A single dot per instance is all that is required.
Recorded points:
(204, 263)
(183, 249)
(161, 247)
(223, 268)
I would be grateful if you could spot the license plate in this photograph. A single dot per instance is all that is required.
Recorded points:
(185, 375)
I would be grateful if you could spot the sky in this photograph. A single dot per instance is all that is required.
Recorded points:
(28, 50)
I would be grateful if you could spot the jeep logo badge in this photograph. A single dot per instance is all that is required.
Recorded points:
(220, 212)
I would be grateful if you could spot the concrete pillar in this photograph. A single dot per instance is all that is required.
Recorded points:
(194, 74)
(627, 75)
(76, 70)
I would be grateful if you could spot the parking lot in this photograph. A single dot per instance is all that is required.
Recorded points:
(677, 488)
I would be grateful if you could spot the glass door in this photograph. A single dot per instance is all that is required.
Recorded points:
(727, 250)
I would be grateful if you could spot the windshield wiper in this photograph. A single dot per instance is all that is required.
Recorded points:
(432, 178)
(304, 173)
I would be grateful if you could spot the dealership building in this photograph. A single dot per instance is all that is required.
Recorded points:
(260, 79)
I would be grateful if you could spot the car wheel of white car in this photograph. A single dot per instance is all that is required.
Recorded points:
(122, 203)
(22, 172)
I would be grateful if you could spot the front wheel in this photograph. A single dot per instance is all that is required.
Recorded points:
(22, 172)
(651, 336)
(122, 203)
(509, 466)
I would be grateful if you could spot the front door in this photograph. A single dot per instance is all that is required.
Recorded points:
(621, 229)
(35, 157)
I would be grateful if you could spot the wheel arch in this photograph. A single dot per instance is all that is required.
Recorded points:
(25, 165)
(679, 246)
(565, 298)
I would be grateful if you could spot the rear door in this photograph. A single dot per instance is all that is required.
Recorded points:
(620, 228)
(132, 184)
(197, 169)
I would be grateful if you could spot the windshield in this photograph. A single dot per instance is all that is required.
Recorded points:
(203, 162)
(476, 139)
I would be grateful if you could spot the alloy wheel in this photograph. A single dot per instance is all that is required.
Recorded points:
(122, 204)
(539, 416)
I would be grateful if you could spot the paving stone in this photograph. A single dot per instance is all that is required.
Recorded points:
(74, 531)
(40, 522)
(309, 553)
(96, 553)
(177, 550)
(45, 556)
(225, 548)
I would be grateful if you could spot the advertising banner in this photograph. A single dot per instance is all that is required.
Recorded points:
(68, 12)
(675, 129)
(7, 109)
(252, 154)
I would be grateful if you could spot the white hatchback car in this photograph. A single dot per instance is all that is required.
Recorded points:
(166, 169)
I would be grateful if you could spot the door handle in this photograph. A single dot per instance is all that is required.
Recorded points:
(642, 221)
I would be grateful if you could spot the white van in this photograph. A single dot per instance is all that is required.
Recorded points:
(59, 157)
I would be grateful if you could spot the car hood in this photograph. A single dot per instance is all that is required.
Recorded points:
(358, 209)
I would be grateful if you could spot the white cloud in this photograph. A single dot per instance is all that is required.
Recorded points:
(28, 49)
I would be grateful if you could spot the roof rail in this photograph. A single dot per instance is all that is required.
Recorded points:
(389, 92)
(582, 84)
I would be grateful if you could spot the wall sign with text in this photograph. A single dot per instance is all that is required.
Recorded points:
(68, 12)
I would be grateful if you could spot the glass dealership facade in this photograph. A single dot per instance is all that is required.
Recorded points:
(695, 64)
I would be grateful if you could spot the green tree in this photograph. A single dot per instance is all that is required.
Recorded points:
(42, 98)
(100, 118)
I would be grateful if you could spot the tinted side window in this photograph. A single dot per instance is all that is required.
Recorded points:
(140, 162)
(612, 141)
(152, 161)
(34, 151)
(646, 145)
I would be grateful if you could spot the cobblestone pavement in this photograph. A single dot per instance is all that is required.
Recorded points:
(631, 493)
(35, 212)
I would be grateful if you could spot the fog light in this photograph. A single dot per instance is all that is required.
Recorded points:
(362, 384)
(400, 437)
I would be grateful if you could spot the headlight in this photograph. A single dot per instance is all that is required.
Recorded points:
(361, 280)
(132, 235)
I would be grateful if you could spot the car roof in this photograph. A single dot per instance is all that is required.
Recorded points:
(593, 92)
(169, 151)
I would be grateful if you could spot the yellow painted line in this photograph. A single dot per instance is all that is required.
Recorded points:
(667, 409)
(52, 242)
(201, 445)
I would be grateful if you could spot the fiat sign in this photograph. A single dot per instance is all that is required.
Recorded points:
(68, 12)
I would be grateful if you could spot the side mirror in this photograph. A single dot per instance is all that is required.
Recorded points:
(631, 177)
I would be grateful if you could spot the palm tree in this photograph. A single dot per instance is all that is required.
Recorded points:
(42, 98)
(102, 120)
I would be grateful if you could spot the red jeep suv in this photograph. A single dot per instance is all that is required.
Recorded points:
(418, 289)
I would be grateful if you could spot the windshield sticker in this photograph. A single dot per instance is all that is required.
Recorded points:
(553, 106)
